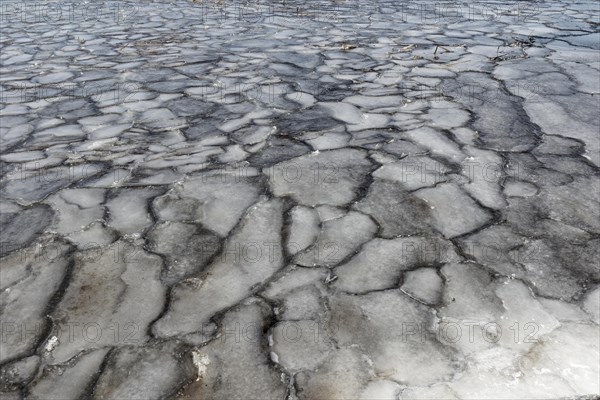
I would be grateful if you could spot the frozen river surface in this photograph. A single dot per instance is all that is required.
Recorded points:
(312, 200)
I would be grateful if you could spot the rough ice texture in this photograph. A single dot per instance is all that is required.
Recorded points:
(29, 282)
(117, 289)
(236, 365)
(397, 211)
(338, 239)
(381, 262)
(330, 177)
(215, 200)
(453, 212)
(249, 257)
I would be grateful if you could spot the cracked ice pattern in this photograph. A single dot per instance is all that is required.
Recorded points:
(300, 200)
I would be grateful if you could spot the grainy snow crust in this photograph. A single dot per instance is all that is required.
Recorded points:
(300, 200)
